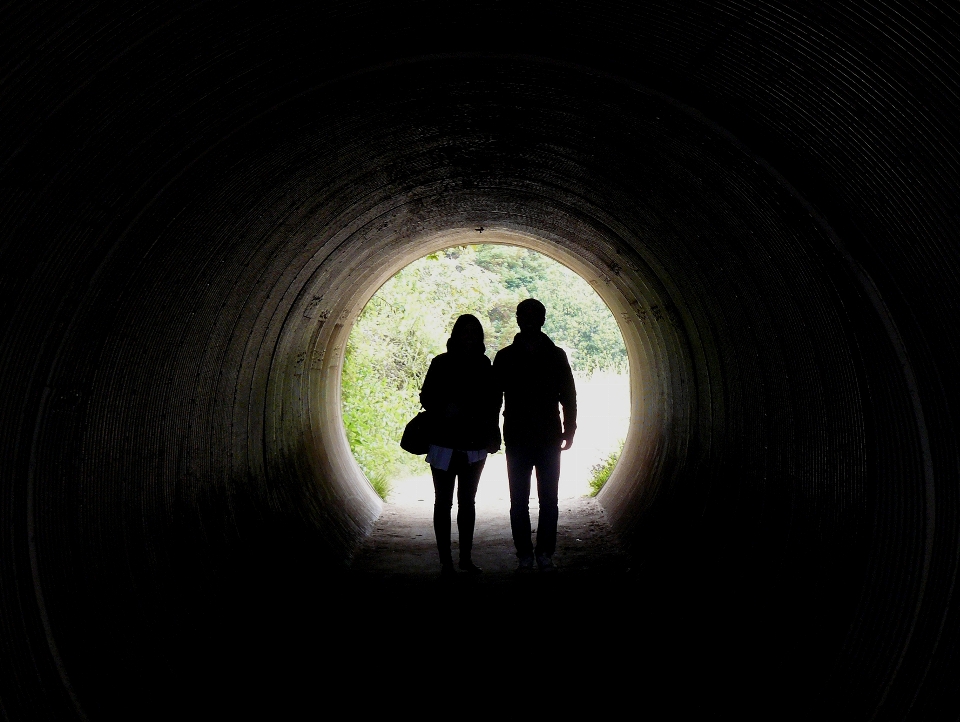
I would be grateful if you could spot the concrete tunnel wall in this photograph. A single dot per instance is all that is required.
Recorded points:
(199, 204)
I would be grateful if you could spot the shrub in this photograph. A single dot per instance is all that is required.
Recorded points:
(600, 472)
(381, 484)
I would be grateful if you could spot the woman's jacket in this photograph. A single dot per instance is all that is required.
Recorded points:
(461, 402)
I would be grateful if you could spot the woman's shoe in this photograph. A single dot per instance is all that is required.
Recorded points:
(545, 563)
(469, 567)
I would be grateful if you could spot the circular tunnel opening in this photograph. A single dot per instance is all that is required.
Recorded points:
(640, 380)
(406, 323)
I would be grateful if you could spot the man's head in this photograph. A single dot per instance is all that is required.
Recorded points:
(531, 315)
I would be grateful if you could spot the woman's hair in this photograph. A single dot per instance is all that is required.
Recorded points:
(466, 335)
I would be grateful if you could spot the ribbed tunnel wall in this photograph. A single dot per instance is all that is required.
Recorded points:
(197, 204)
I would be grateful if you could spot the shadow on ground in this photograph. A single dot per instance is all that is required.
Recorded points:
(388, 635)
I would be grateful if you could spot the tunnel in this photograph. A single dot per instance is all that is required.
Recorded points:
(199, 199)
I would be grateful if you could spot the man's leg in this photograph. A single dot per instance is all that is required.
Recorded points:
(519, 468)
(548, 485)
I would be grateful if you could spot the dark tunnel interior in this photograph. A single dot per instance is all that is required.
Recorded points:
(199, 198)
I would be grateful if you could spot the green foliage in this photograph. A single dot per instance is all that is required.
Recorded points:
(600, 472)
(381, 484)
(577, 319)
(409, 319)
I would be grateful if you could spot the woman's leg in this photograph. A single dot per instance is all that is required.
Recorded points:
(443, 482)
(468, 478)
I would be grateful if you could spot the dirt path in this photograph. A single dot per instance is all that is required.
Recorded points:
(402, 544)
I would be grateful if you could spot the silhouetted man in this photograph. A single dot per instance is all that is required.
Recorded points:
(535, 378)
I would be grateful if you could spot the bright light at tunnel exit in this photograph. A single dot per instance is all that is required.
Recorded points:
(406, 323)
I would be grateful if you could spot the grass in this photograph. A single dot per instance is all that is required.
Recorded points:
(381, 484)
(600, 472)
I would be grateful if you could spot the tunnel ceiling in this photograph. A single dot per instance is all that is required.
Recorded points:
(198, 200)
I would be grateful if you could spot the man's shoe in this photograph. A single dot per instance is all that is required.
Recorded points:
(469, 567)
(447, 571)
(525, 564)
(545, 563)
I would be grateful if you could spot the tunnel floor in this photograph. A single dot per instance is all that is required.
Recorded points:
(388, 632)
(391, 635)
(401, 548)
(557, 642)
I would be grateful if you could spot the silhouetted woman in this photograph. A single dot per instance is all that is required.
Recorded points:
(462, 405)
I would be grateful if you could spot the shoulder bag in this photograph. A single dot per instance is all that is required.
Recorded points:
(416, 435)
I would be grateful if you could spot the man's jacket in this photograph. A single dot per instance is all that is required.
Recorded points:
(534, 376)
